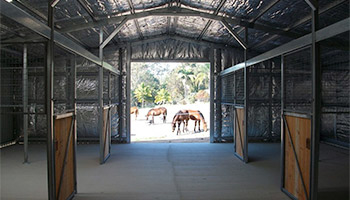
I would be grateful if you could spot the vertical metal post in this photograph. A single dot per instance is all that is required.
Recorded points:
(120, 94)
(270, 99)
(282, 122)
(316, 105)
(212, 111)
(25, 103)
(128, 83)
(100, 98)
(234, 110)
(218, 93)
(49, 108)
(110, 109)
(73, 74)
(246, 99)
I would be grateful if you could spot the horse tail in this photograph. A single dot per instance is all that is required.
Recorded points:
(174, 121)
(202, 117)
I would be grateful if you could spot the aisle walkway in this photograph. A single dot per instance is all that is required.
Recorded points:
(180, 171)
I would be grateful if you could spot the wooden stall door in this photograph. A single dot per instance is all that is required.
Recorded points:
(297, 155)
(64, 157)
(106, 136)
(240, 137)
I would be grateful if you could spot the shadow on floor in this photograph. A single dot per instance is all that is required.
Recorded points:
(334, 193)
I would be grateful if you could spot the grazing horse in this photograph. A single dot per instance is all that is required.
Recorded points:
(197, 116)
(180, 117)
(156, 112)
(134, 110)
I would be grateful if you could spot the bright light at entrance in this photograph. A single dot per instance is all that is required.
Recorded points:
(159, 91)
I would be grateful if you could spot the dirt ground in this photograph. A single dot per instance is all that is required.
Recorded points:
(143, 131)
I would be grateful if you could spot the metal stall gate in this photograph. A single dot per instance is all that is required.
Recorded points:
(297, 150)
(64, 157)
(233, 100)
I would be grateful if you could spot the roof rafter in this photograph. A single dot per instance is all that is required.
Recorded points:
(84, 4)
(302, 21)
(261, 13)
(176, 12)
(222, 2)
(132, 11)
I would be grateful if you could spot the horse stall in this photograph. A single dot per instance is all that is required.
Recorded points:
(233, 111)
(309, 168)
(333, 174)
(263, 104)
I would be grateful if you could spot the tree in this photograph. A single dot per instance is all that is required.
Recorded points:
(162, 97)
(175, 87)
(201, 80)
(143, 93)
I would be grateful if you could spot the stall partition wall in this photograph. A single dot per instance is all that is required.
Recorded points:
(297, 148)
(233, 109)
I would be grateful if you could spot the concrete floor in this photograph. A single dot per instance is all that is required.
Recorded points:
(162, 171)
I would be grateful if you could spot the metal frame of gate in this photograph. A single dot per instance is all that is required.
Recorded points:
(235, 121)
(309, 193)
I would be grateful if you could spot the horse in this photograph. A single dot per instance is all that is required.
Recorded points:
(156, 112)
(181, 116)
(197, 116)
(134, 110)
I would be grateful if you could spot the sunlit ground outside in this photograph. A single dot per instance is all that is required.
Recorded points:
(175, 86)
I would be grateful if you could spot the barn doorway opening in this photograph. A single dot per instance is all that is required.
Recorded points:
(159, 90)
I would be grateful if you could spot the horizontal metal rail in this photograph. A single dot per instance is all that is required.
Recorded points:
(322, 34)
(15, 13)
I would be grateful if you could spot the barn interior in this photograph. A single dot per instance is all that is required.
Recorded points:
(279, 99)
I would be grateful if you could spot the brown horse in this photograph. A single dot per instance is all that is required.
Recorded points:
(156, 112)
(181, 116)
(134, 110)
(197, 116)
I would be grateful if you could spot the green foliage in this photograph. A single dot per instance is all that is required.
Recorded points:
(143, 93)
(169, 82)
(162, 97)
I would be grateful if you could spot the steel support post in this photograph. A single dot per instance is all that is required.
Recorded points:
(110, 109)
(282, 123)
(246, 100)
(100, 99)
(128, 83)
(218, 111)
(120, 94)
(234, 107)
(270, 100)
(316, 105)
(73, 74)
(25, 102)
(212, 110)
(49, 108)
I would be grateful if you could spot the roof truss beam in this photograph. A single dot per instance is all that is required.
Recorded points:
(234, 34)
(132, 11)
(322, 34)
(222, 2)
(113, 34)
(11, 11)
(177, 12)
(303, 21)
